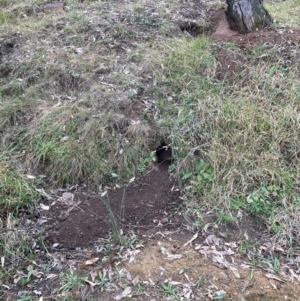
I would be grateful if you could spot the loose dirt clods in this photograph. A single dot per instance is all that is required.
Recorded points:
(94, 206)
(143, 205)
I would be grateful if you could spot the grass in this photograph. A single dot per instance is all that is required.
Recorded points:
(16, 192)
(16, 250)
(170, 290)
(245, 137)
(70, 90)
(71, 280)
(285, 13)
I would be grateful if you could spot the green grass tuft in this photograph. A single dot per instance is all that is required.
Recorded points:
(286, 12)
(16, 192)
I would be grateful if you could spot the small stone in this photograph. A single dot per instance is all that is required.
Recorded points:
(164, 220)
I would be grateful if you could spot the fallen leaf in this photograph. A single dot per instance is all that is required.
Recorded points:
(207, 226)
(191, 240)
(92, 284)
(91, 261)
(212, 240)
(50, 276)
(125, 293)
(63, 139)
(37, 273)
(151, 282)
(169, 255)
(235, 271)
(30, 177)
(79, 50)
(220, 295)
(44, 207)
(128, 276)
(93, 275)
(45, 194)
(136, 280)
(175, 283)
(274, 286)
(271, 276)
(294, 275)
(218, 258)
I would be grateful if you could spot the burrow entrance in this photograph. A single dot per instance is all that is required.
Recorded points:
(80, 217)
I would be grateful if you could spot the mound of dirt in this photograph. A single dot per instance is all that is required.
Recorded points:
(232, 61)
(82, 217)
(223, 33)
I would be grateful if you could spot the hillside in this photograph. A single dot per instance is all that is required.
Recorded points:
(148, 151)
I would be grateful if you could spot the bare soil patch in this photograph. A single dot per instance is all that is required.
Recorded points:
(196, 266)
(232, 63)
(146, 203)
(223, 33)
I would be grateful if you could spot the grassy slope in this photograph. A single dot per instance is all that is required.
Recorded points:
(61, 118)
(65, 91)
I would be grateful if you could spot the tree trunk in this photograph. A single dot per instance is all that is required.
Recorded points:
(247, 15)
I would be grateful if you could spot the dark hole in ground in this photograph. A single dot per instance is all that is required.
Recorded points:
(164, 154)
(146, 204)
(6, 48)
(195, 29)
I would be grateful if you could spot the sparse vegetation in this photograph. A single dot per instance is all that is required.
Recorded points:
(88, 93)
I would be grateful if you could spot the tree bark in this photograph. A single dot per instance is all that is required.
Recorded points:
(247, 15)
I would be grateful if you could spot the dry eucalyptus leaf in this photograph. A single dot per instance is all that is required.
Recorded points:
(93, 275)
(191, 240)
(91, 261)
(30, 177)
(50, 276)
(92, 284)
(175, 283)
(169, 255)
(104, 193)
(125, 293)
(44, 207)
(128, 276)
(218, 258)
(235, 271)
(271, 276)
(45, 194)
(212, 240)
(136, 280)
